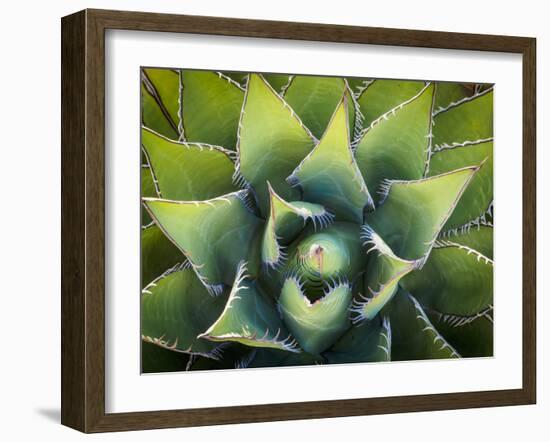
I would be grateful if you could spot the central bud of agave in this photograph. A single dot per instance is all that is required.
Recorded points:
(317, 290)
(320, 259)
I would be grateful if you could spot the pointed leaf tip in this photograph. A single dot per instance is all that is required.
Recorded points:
(250, 318)
(479, 194)
(376, 97)
(396, 146)
(285, 221)
(199, 229)
(413, 213)
(314, 100)
(272, 141)
(382, 276)
(210, 176)
(329, 175)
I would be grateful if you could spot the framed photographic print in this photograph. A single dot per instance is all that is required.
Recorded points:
(268, 220)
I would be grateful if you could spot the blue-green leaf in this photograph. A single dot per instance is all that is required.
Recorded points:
(471, 336)
(315, 325)
(268, 357)
(397, 144)
(413, 212)
(153, 114)
(370, 341)
(468, 119)
(164, 86)
(479, 194)
(272, 142)
(215, 235)
(250, 318)
(376, 97)
(479, 238)
(384, 271)
(450, 92)
(413, 335)
(148, 189)
(285, 221)
(188, 171)
(329, 174)
(211, 107)
(314, 99)
(456, 279)
(156, 359)
(175, 308)
(158, 254)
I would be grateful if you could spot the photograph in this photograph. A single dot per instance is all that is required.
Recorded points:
(275, 221)
(303, 220)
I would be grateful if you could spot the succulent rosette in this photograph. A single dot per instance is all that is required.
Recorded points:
(300, 220)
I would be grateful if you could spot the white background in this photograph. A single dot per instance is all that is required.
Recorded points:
(30, 115)
(128, 391)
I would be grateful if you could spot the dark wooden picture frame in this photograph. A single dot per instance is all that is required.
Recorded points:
(83, 220)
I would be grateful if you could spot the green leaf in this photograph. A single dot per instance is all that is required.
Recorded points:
(466, 120)
(214, 235)
(479, 194)
(384, 271)
(329, 174)
(455, 280)
(413, 335)
(156, 359)
(232, 355)
(397, 145)
(478, 237)
(211, 104)
(158, 254)
(450, 92)
(286, 220)
(272, 141)
(316, 326)
(175, 308)
(152, 114)
(471, 336)
(267, 357)
(380, 96)
(370, 341)
(239, 77)
(278, 81)
(250, 318)
(314, 99)
(166, 84)
(357, 84)
(413, 212)
(147, 190)
(188, 171)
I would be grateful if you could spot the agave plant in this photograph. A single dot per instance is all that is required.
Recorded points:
(299, 220)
